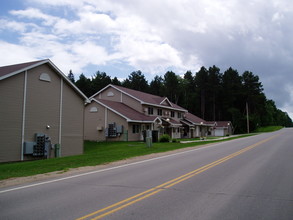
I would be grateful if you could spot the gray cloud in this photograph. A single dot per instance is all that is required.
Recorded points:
(155, 36)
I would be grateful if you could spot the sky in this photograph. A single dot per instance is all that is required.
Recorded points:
(155, 36)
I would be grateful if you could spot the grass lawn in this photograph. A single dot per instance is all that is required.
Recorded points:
(268, 129)
(95, 153)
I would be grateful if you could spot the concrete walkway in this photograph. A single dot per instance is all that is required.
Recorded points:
(206, 139)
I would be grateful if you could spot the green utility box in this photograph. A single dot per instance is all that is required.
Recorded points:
(57, 150)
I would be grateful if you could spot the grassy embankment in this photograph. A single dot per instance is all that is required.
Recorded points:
(95, 153)
(268, 129)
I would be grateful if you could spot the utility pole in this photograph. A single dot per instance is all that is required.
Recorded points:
(247, 117)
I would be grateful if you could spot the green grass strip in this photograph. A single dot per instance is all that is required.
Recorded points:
(95, 153)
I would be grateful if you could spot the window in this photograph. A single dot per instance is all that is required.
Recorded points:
(160, 112)
(135, 129)
(110, 94)
(45, 77)
(172, 114)
(179, 115)
(93, 109)
(150, 111)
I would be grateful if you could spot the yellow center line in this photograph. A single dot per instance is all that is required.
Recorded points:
(143, 195)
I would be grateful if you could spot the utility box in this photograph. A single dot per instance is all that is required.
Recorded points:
(39, 148)
(57, 148)
(149, 141)
(119, 129)
(28, 147)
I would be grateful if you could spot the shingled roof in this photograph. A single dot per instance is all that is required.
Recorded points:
(11, 70)
(6, 71)
(125, 111)
(145, 98)
(194, 119)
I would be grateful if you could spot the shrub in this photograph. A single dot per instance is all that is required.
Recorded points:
(174, 140)
(165, 138)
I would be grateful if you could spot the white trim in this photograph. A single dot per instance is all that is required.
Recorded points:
(166, 99)
(60, 114)
(164, 107)
(23, 69)
(118, 113)
(140, 101)
(54, 67)
(99, 92)
(203, 147)
(127, 94)
(68, 81)
(23, 114)
(137, 121)
(106, 116)
(107, 107)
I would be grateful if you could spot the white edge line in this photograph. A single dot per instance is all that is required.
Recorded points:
(107, 169)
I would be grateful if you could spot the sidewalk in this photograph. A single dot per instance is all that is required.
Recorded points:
(206, 139)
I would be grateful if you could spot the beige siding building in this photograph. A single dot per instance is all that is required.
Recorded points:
(117, 113)
(40, 109)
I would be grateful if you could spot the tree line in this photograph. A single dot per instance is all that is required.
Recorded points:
(209, 94)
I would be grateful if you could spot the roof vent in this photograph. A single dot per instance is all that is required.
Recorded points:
(45, 77)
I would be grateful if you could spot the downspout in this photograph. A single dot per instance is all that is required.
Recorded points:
(23, 114)
(60, 116)
(106, 117)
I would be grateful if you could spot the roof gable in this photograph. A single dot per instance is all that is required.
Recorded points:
(166, 102)
(125, 111)
(11, 70)
(223, 124)
(144, 98)
(7, 71)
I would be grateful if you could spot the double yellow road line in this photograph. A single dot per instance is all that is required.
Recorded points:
(138, 197)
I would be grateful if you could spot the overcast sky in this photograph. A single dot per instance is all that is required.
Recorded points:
(154, 36)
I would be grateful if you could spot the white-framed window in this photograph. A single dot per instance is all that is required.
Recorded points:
(179, 115)
(160, 111)
(172, 114)
(45, 77)
(135, 128)
(150, 110)
(110, 94)
(93, 109)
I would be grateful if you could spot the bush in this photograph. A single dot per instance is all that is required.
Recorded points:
(165, 138)
(174, 140)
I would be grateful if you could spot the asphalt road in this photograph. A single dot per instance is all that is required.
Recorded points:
(249, 178)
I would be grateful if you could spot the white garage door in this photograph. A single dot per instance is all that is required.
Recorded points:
(219, 132)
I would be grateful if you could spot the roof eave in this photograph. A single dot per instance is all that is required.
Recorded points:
(55, 67)
(163, 106)
(113, 110)
(24, 69)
